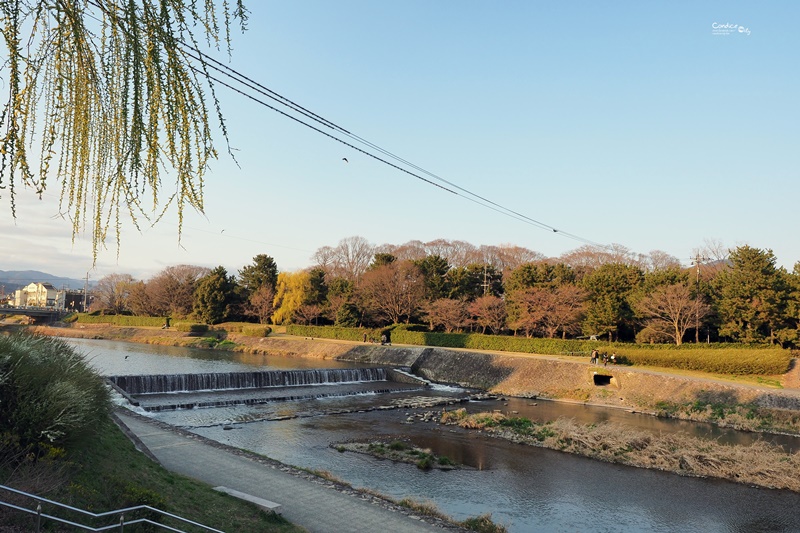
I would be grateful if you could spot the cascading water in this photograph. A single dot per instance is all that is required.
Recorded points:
(160, 392)
(159, 384)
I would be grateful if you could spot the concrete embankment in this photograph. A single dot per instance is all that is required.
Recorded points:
(540, 376)
(509, 374)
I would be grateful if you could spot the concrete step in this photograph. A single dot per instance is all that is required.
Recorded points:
(261, 502)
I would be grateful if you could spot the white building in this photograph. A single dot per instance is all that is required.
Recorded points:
(38, 295)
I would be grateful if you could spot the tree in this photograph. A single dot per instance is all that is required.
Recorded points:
(566, 311)
(291, 293)
(751, 296)
(171, 291)
(541, 273)
(263, 271)
(395, 291)
(110, 97)
(609, 289)
(215, 296)
(450, 314)
(671, 309)
(381, 259)
(791, 333)
(112, 292)
(548, 310)
(349, 260)
(261, 303)
(139, 301)
(489, 312)
(474, 280)
(434, 270)
(307, 313)
(340, 307)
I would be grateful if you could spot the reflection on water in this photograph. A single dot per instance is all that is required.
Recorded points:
(113, 358)
(526, 488)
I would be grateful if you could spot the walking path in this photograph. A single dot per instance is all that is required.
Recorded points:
(308, 501)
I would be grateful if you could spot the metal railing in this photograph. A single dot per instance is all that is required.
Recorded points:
(116, 526)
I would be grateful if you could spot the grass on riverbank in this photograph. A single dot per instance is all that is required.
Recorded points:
(760, 464)
(109, 473)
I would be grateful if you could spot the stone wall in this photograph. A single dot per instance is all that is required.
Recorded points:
(539, 376)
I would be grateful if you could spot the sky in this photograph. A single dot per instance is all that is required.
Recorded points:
(653, 125)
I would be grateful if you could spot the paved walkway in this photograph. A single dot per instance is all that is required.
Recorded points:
(306, 501)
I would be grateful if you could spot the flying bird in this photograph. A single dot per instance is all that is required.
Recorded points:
(345, 160)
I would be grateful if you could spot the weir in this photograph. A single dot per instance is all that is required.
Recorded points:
(167, 383)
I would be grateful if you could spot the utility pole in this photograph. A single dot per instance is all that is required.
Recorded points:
(85, 292)
(697, 260)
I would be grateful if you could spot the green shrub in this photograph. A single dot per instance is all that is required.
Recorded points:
(191, 327)
(48, 393)
(256, 330)
(398, 445)
(425, 462)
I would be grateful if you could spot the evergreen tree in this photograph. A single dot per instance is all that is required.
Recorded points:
(609, 309)
(215, 296)
(263, 271)
(434, 272)
(752, 296)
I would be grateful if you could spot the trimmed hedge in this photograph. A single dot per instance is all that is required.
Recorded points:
(256, 330)
(335, 332)
(122, 320)
(190, 327)
(721, 358)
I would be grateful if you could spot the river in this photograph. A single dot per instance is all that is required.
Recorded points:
(527, 489)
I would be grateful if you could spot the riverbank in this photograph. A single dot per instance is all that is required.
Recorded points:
(760, 464)
(770, 406)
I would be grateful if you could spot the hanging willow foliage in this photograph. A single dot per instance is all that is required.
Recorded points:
(109, 97)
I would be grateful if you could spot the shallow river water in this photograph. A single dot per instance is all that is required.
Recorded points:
(525, 488)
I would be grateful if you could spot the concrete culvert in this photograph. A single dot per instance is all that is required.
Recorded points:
(601, 380)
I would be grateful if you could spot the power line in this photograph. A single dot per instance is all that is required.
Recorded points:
(249, 83)
(207, 61)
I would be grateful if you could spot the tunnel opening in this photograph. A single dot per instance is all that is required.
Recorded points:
(601, 380)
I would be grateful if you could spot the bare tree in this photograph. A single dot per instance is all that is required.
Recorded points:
(506, 256)
(593, 257)
(489, 312)
(659, 260)
(261, 303)
(450, 314)
(672, 309)
(325, 258)
(307, 313)
(566, 312)
(547, 310)
(139, 301)
(394, 291)
(410, 251)
(112, 292)
(171, 291)
(349, 259)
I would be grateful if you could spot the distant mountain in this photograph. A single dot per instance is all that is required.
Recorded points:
(12, 280)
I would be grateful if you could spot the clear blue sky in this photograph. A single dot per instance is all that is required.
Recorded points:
(620, 122)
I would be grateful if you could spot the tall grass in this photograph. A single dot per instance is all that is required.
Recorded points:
(761, 464)
(49, 396)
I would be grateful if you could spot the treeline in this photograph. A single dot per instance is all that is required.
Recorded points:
(737, 295)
